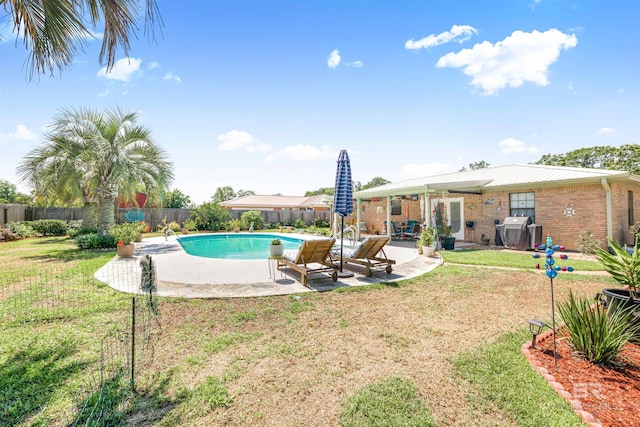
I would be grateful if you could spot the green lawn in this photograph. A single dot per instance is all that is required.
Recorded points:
(244, 361)
(500, 258)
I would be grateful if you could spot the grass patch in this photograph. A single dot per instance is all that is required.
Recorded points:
(503, 376)
(498, 258)
(392, 402)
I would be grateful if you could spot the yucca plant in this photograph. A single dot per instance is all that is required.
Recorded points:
(623, 266)
(598, 337)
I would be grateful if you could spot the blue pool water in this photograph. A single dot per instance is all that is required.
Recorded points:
(234, 246)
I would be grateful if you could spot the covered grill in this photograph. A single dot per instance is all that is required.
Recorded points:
(518, 232)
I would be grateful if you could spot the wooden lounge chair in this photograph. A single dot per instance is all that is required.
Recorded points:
(366, 254)
(314, 256)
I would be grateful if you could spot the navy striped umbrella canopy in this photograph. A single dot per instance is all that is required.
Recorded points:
(343, 191)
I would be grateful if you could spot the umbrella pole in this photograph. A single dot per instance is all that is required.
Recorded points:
(341, 240)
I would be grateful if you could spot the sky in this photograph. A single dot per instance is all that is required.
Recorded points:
(262, 95)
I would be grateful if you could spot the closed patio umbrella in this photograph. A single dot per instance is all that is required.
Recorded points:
(343, 194)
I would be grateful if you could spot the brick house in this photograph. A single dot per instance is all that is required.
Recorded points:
(563, 200)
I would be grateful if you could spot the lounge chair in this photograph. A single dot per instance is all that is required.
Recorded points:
(366, 254)
(314, 256)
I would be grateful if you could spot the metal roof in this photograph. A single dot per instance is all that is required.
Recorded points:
(255, 200)
(519, 175)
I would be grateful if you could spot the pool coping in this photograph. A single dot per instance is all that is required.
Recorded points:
(186, 276)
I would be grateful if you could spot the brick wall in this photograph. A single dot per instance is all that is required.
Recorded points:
(553, 206)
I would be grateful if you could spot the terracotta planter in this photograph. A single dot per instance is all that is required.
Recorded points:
(138, 238)
(126, 251)
(185, 231)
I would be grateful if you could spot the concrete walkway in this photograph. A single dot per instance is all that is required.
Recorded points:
(181, 275)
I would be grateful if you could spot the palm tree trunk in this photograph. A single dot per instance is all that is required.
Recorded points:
(106, 212)
(90, 215)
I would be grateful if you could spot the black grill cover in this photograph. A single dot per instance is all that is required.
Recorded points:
(516, 233)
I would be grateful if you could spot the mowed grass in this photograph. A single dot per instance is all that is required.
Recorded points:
(220, 362)
(500, 258)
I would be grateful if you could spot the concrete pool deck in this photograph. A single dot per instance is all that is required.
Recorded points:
(181, 275)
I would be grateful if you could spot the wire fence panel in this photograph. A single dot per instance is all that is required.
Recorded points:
(68, 322)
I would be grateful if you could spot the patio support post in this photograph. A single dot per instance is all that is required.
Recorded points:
(389, 216)
(358, 217)
(607, 190)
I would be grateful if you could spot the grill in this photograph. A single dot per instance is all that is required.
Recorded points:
(518, 232)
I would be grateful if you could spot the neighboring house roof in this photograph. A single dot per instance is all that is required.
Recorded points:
(511, 176)
(285, 202)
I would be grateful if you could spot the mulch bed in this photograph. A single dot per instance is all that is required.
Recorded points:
(610, 393)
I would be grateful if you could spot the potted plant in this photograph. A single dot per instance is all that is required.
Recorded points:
(125, 234)
(142, 228)
(624, 267)
(425, 241)
(448, 242)
(276, 248)
(236, 225)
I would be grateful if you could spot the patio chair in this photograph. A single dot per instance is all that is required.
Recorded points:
(366, 254)
(314, 256)
(394, 230)
(415, 231)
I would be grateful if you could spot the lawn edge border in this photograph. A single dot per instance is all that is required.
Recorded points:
(575, 404)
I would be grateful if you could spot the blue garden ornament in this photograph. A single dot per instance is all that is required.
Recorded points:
(551, 271)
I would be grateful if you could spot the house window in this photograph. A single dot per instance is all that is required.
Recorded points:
(630, 213)
(396, 207)
(522, 204)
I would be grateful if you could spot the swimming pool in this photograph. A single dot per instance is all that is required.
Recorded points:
(234, 246)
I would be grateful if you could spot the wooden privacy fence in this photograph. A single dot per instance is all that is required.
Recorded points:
(152, 216)
(12, 213)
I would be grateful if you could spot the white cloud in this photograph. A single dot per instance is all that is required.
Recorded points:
(309, 152)
(105, 93)
(571, 89)
(170, 76)
(241, 140)
(122, 70)
(421, 170)
(533, 4)
(605, 130)
(334, 59)
(459, 33)
(22, 133)
(153, 65)
(512, 145)
(355, 64)
(521, 57)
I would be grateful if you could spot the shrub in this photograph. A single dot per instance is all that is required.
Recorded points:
(623, 266)
(598, 337)
(587, 243)
(254, 217)
(189, 224)
(233, 224)
(75, 232)
(299, 223)
(174, 226)
(50, 227)
(95, 241)
(22, 229)
(210, 216)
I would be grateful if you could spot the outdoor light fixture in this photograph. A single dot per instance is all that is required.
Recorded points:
(535, 326)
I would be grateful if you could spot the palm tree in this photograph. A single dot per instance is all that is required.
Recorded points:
(97, 157)
(54, 31)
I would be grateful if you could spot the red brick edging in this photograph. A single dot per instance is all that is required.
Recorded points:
(586, 416)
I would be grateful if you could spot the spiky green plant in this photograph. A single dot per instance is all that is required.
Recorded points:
(623, 266)
(597, 335)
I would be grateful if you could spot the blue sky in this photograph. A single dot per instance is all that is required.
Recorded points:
(261, 95)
